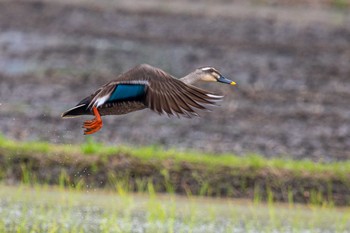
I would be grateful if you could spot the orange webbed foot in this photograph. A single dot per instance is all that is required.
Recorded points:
(94, 125)
(92, 130)
(89, 124)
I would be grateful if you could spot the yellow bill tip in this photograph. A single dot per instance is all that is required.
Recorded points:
(233, 83)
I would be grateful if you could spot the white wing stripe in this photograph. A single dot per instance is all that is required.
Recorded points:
(100, 101)
(215, 96)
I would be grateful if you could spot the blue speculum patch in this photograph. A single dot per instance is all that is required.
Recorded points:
(127, 91)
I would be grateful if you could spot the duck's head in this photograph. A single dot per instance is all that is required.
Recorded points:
(210, 74)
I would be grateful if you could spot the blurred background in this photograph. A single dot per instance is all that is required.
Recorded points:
(290, 60)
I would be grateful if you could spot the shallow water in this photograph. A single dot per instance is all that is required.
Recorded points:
(24, 209)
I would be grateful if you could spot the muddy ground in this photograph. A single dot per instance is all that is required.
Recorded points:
(292, 66)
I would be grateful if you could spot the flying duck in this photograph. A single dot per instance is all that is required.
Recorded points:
(145, 86)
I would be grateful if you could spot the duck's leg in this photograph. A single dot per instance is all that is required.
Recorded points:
(95, 124)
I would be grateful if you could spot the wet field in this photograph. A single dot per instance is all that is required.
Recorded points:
(61, 210)
(291, 66)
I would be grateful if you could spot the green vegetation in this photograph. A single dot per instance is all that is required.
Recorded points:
(55, 209)
(153, 153)
(97, 165)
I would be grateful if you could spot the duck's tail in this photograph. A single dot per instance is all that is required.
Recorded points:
(81, 109)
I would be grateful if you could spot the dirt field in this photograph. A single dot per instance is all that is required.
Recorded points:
(292, 66)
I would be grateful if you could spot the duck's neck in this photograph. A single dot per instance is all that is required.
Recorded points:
(191, 78)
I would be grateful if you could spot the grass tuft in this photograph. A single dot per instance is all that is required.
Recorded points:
(142, 169)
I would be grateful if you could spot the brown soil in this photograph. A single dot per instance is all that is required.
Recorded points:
(291, 66)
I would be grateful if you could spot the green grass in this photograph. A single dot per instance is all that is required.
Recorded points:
(152, 153)
(94, 164)
(52, 209)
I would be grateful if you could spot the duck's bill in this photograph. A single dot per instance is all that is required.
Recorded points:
(225, 80)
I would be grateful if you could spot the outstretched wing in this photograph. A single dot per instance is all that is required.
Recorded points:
(158, 90)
